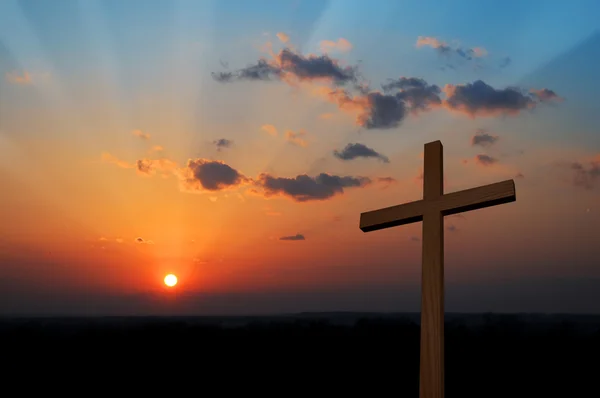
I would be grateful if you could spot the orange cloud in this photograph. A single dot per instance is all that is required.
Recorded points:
(429, 41)
(326, 116)
(341, 45)
(15, 78)
(296, 138)
(283, 37)
(270, 129)
(141, 134)
(107, 157)
(151, 166)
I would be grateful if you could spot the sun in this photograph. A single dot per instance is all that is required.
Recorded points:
(170, 280)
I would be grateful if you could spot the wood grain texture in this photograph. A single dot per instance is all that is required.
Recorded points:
(431, 210)
(432, 307)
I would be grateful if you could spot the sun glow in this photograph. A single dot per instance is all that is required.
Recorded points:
(170, 280)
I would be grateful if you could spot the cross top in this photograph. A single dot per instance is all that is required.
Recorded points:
(431, 210)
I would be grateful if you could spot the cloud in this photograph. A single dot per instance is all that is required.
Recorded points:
(283, 37)
(141, 134)
(156, 148)
(341, 45)
(151, 166)
(15, 78)
(353, 151)
(483, 139)
(519, 175)
(586, 177)
(452, 228)
(326, 116)
(480, 99)
(485, 160)
(303, 188)
(222, 143)
(142, 241)
(415, 238)
(445, 49)
(289, 66)
(108, 158)
(546, 95)
(386, 110)
(293, 237)
(296, 138)
(504, 62)
(208, 175)
(270, 129)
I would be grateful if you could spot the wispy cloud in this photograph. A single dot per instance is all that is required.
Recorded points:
(483, 139)
(269, 129)
(353, 151)
(293, 237)
(296, 138)
(23, 78)
(222, 143)
(341, 45)
(141, 134)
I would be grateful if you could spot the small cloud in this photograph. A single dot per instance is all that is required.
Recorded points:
(504, 62)
(546, 95)
(151, 166)
(102, 239)
(108, 158)
(222, 143)
(119, 240)
(141, 134)
(341, 45)
(208, 175)
(586, 177)
(142, 241)
(270, 129)
(157, 148)
(519, 175)
(283, 37)
(213, 198)
(293, 237)
(483, 139)
(15, 78)
(485, 160)
(353, 151)
(303, 188)
(452, 228)
(326, 116)
(445, 49)
(296, 138)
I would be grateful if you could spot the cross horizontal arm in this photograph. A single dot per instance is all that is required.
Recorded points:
(392, 216)
(478, 198)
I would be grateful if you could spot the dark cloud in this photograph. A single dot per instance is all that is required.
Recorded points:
(415, 92)
(289, 63)
(452, 228)
(315, 67)
(303, 188)
(483, 139)
(261, 71)
(586, 177)
(222, 143)
(479, 98)
(485, 160)
(211, 175)
(387, 180)
(143, 166)
(143, 241)
(293, 237)
(353, 151)
(504, 62)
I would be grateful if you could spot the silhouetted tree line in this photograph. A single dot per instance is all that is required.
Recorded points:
(503, 355)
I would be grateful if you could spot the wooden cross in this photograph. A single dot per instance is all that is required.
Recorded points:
(431, 210)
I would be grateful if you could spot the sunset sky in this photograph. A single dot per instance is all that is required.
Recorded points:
(235, 144)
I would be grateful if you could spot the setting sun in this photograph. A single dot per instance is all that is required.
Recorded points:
(170, 280)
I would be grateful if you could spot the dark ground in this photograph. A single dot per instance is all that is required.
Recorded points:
(368, 354)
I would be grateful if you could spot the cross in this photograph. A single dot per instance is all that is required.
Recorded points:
(431, 210)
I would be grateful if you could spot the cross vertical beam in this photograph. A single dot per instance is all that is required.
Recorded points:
(432, 279)
(431, 210)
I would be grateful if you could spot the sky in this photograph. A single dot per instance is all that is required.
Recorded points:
(235, 144)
